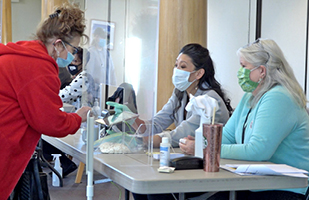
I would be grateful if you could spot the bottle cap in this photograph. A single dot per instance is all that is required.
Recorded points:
(57, 159)
(96, 102)
(165, 140)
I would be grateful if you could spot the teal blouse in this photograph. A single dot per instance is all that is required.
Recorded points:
(276, 130)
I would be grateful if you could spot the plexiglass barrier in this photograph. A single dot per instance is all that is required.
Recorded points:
(121, 58)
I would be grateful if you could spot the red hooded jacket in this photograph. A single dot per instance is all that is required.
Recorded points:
(29, 106)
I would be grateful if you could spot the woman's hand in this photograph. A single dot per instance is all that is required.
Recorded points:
(82, 112)
(188, 145)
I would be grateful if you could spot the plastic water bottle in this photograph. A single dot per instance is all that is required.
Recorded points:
(164, 152)
(56, 181)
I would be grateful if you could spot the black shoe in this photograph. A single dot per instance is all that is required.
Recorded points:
(72, 167)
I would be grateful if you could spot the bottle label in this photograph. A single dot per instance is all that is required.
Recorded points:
(163, 148)
(164, 156)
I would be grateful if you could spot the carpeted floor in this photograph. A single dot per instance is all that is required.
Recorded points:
(74, 191)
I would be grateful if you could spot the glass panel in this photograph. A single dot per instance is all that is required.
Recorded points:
(122, 55)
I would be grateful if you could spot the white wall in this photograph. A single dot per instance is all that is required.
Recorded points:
(26, 15)
(227, 30)
(285, 22)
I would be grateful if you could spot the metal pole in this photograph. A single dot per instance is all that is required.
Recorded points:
(258, 19)
(89, 155)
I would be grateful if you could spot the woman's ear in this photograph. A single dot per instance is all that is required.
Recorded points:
(200, 73)
(59, 45)
(262, 71)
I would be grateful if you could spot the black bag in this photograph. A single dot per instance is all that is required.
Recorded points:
(32, 185)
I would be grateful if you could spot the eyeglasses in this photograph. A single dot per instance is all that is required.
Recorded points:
(75, 49)
(258, 42)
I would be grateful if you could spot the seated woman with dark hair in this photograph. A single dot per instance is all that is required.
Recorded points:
(194, 74)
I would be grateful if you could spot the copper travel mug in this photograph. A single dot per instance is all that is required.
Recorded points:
(213, 135)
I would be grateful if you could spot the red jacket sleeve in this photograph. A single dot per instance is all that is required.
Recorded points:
(40, 104)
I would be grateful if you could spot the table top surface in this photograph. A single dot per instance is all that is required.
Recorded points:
(134, 172)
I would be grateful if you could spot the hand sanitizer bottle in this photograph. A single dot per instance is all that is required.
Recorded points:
(164, 152)
(96, 109)
(56, 181)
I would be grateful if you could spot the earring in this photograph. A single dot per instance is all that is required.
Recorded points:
(260, 79)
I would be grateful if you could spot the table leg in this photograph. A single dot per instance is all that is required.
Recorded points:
(232, 195)
(181, 196)
(80, 172)
(126, 194)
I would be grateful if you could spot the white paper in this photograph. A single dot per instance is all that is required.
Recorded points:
(265, 169)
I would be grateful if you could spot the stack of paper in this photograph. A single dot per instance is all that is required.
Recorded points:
(265, 169)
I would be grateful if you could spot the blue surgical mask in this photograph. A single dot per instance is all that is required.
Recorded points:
(181, 79)
(102, 42)
(65, 62)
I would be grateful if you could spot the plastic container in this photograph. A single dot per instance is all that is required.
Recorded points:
(84, 132)
(164, 152)
(56, 181)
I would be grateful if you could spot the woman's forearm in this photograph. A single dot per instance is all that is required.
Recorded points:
(139, 125)
(156, 140)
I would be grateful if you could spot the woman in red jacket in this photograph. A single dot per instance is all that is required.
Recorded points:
(29, 101)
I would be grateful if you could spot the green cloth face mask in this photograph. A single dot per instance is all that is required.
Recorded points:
(244, 80)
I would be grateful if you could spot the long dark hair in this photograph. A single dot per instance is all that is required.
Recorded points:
(201, 59)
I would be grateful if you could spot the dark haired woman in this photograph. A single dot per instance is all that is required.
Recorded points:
(193, 74)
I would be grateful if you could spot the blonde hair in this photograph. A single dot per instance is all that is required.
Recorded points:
(266, 52)
(65, 23)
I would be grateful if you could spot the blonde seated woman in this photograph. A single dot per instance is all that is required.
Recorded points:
(271, 122)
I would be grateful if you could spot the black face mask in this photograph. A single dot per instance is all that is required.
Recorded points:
(73, 69)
